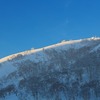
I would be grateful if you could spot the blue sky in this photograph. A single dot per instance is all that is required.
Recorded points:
(25, 24)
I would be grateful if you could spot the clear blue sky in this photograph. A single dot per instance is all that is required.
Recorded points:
(36, 23)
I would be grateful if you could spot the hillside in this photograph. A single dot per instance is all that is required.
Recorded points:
(69, 70)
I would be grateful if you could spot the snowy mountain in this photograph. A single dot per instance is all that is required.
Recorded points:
(69, 70)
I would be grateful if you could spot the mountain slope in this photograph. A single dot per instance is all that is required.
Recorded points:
(69, 70)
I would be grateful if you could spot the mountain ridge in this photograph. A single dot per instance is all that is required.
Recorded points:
(69, 70)
(65, 42)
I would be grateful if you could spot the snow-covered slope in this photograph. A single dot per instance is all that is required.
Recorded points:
(69, 70)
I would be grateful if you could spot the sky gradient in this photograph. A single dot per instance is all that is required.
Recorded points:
(26, 24)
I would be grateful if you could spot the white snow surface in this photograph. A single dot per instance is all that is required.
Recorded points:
(96, 48)
(11, 97)
(6, 69)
